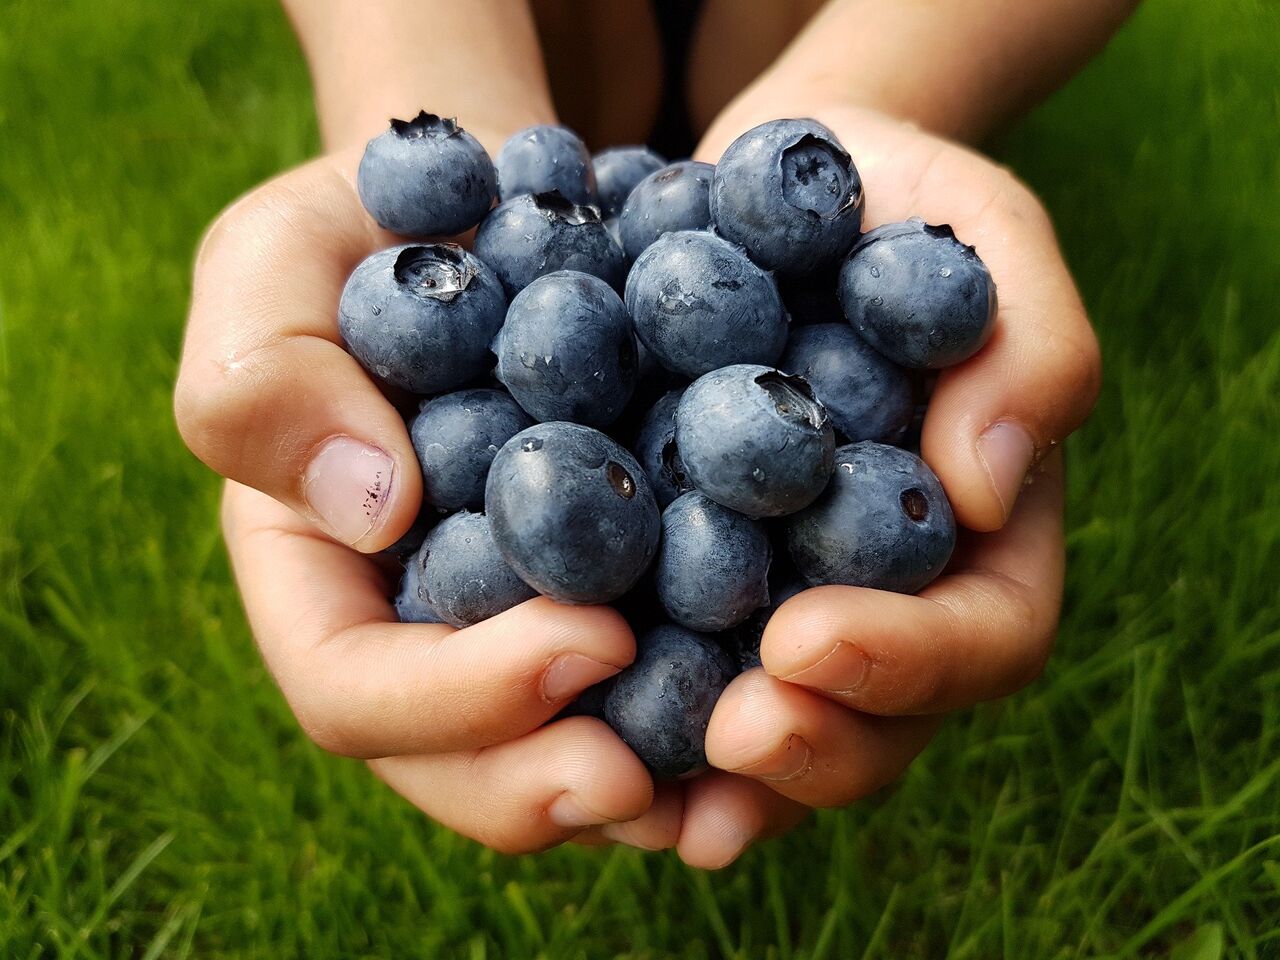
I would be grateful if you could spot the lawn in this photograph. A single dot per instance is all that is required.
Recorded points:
(157, 800)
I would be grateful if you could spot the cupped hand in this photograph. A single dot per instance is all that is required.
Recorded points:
(322, 475)
(854, 680)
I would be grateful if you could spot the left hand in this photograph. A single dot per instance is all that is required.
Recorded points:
(855, 680)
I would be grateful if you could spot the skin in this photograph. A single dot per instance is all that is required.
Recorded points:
(853, 681)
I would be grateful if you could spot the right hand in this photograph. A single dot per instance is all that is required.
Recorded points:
(322, 474)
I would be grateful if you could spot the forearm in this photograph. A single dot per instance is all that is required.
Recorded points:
(375, 59)
(956, 67)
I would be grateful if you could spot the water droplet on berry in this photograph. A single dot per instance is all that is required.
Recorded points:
(530, 445)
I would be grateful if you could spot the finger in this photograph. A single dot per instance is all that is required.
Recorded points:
(363, 685)
(983, 630)
(266, 394)
(806, 747)
(658, 828)
(724, 814)
(993, 417)
(531, 793)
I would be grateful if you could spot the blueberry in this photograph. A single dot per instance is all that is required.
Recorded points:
(675, 198)
(411, 602)
(617, 171)
(867, 396)
(661, 704)
(655, 448)
(421, 317)
(883, 522)
(529, 236)
(567, 350)
(426, 177)
(699, 304)
(788, 192)
(545, 158)
(572, 512)
(918, 295)
(456, 437)
(462, 576)
(755, 440)
(746, 639)
(712, 568)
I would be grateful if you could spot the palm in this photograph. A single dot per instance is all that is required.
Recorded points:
(985, 628)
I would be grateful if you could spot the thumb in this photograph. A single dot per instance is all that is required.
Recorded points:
(266, 394)
(992, 418)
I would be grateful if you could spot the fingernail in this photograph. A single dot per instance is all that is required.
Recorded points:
(1006, 451)
(789, 761)
(572, 673)
(347, 484)
(843, 670)
(566, 811)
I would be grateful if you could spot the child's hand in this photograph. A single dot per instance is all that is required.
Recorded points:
(854, 679)
(268, 397)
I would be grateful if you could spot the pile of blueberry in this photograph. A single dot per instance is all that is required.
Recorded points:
(705, 387)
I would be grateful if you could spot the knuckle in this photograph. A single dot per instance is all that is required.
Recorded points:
(251, 221)
(218, 234)
(1039, 649)
(329, 704)
(213, 409)
(1079, 372)
(1089, 374)
(199, 418)
(322, 730)
(1031, 634)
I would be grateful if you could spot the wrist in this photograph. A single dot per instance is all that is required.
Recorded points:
(958, 70)
(378, 59)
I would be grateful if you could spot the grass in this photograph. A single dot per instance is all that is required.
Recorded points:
(156, 799)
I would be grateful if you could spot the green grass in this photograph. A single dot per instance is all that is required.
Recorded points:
(157, 800)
